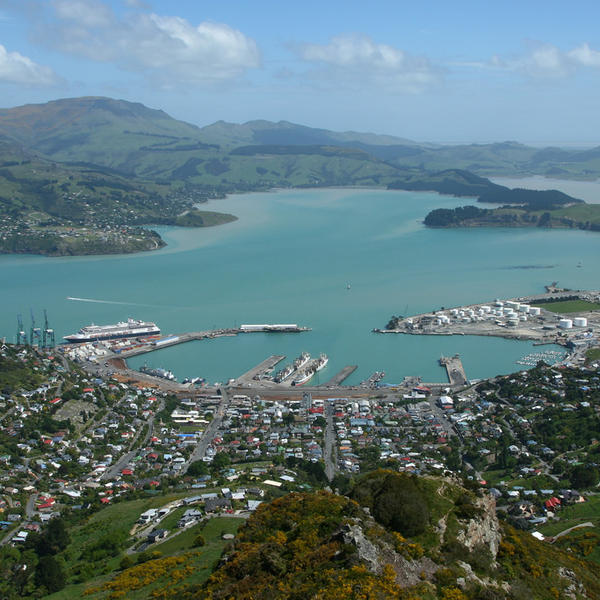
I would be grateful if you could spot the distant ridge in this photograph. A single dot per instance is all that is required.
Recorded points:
(133, 139)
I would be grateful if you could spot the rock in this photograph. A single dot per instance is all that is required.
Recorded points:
(377, 555)
(483, 530)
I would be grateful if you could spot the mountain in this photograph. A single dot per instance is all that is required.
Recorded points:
(135, 140)
(285, 133)
(121, 138)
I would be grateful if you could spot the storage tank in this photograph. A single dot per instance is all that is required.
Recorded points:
(565, 323)
(534, 311)
(524, 308)
(580, 322)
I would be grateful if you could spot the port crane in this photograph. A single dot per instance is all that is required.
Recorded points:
(35, 333)
(48, 338)
(21, 335)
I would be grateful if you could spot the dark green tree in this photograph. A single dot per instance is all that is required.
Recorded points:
(50, 574)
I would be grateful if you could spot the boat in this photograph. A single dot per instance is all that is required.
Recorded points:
(322, 362)
(301, 360)
(130, 328)
(284, 373)
(303, 377)
(162, 373)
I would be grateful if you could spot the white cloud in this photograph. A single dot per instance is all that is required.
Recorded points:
(543, 61)
(357, 60)
(585, 56)
(19, 69)
(168, 50)
(88, 13)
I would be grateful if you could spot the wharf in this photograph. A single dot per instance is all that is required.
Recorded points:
(263, 368)
(341, 376)
(454, 369)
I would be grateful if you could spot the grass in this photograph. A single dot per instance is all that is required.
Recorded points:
(569, 306)
(574, 514)
(211, 530)
(593, 354)
(201, 559)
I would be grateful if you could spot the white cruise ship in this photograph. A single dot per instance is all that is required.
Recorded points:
(131, 328)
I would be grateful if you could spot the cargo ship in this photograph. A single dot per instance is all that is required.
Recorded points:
(131, 328)
(162, 373)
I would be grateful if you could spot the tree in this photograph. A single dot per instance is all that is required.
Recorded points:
(584, 476)
(50, 574)
(197, 468)
(54, 539)
(220, 461)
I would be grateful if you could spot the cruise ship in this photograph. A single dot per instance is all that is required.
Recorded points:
(131, 328)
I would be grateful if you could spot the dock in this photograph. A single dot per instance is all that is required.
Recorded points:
(263, 368)
(454, 369)
(341, 376)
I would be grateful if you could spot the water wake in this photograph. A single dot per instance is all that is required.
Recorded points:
(109, 302)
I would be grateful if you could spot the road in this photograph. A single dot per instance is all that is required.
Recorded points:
(329, 443)
(115, 469)
(209, 433)
(558, 535)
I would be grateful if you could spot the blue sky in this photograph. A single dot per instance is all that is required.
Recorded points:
(462, 71)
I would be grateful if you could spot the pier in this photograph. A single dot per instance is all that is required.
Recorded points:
(454, 369)
(262, 369)
(341, 376)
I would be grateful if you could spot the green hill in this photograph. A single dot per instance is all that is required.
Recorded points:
(394, 536)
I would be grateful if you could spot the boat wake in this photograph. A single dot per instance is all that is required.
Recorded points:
(108, 302)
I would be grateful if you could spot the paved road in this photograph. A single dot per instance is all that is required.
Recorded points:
(329, 443)
(587, 524)
(209, 433)
(30, 506)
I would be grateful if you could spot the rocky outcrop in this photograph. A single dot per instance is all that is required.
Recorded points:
(484, 529)
(377, 555)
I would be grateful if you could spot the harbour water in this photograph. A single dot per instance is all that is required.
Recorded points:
(340, 261)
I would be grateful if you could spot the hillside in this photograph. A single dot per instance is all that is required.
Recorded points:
(395, 536)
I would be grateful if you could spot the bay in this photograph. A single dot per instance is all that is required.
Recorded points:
(289, 259)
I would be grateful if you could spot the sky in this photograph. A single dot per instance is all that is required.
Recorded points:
(437, 71)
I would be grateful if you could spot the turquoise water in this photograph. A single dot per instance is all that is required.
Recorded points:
(289, 258)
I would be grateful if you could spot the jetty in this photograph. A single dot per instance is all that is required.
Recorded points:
(454, 369)
(341, 376)
(261, 370)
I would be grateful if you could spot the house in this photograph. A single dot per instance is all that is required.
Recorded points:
(156, 536)
(213, 504)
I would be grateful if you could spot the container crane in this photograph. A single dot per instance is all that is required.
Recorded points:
(48, 339)
(21, 335)
(35, 333)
